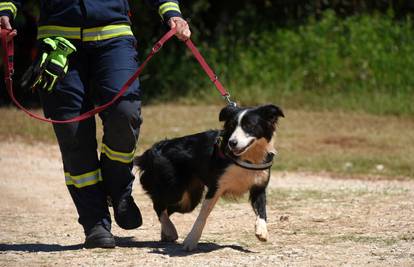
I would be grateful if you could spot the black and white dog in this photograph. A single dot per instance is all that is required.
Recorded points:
(229, 162)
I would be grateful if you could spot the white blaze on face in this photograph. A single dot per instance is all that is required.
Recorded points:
(241, 137)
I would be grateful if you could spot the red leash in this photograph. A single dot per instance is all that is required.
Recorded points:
(213, 77)
(8, 52)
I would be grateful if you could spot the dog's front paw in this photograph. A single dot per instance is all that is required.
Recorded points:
(169, 237)
(261, 230)
(168, 233)
(190, 243)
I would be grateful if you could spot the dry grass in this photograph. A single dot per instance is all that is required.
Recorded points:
(313, 220)
(345, 143)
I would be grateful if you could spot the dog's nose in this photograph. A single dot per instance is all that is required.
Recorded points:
(232, 143)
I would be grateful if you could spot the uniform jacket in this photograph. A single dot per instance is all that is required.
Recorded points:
(87, 19)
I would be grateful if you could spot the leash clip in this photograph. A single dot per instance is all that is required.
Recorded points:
(229, 101)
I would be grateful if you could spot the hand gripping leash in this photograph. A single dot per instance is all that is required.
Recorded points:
(7, 56)
(8, 52)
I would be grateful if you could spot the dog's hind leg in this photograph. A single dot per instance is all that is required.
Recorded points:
(168, 231)
(191, 241)
(258, 201)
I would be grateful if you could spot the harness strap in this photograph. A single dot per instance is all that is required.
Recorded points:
(8, 52)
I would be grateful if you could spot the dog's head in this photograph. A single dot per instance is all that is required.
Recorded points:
(244, 126)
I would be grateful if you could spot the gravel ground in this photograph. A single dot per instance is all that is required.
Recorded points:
(314, 220)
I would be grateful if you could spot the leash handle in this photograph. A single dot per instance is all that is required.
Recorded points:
(8, 52)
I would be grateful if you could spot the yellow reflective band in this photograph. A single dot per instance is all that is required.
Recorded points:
(106, 32)
(117, 156)
(90, 34)
(52, 30)
(169, 6)
(86, 179)
(9, 6)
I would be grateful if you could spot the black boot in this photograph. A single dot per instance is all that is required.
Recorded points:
(99, 237)
(127, 214)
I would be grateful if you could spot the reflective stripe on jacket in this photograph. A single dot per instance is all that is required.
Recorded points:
(86, 34)
(89, 20)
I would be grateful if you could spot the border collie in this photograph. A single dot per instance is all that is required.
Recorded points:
(231, 162)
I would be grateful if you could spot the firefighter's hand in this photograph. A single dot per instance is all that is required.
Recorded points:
(5, 24)
(183, 30)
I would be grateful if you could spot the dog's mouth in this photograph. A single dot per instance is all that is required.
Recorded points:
(239, 151)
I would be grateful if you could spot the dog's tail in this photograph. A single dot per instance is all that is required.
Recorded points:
(143, 161)
(155, 170)
(152, 160)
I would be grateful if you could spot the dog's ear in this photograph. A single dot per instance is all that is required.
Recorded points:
(271, 112)
(228, 112)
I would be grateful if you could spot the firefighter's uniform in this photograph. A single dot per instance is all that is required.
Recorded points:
(106, 57)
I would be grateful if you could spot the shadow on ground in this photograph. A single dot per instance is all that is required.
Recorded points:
(164, 248)
(38, 247)
(175, 249)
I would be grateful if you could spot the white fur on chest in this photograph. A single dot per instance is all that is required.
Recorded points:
(237, 181)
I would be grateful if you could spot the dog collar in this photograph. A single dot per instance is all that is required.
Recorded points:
(267, 164)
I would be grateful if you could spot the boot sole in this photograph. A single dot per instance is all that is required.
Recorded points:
(105, 242)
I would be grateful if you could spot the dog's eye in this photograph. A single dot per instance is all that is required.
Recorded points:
(232, 124)
(249, 127)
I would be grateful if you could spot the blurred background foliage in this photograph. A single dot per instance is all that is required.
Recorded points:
(320, 54)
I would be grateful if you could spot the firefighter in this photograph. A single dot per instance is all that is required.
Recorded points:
(88, 52)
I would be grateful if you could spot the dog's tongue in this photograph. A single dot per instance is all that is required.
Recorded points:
(237, 152)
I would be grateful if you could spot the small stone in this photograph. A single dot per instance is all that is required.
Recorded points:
(379, 167)
(348, 166)
(284, 218)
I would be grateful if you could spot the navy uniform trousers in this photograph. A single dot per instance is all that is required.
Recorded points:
(97, 71)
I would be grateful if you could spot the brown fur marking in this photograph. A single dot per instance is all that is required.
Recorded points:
(236, 180)
(185, 202)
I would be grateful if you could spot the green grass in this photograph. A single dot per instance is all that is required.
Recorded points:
(346, 143)
(360, 63)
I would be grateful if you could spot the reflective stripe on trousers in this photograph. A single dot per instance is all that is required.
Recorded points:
(118, 156)
(82, 180)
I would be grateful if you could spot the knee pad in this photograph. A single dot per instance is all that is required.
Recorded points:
(122, 124)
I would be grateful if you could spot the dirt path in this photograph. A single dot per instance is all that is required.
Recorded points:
(313, 221)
